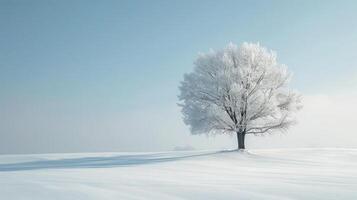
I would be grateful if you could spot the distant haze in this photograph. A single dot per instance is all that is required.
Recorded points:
(84, 76)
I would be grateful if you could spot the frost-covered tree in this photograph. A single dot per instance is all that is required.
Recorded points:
(238, 90)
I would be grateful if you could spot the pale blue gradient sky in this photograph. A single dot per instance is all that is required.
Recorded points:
(103, 75)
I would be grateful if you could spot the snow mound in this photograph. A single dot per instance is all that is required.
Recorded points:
(254, 174)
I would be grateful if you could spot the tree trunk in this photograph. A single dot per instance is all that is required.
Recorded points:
(240, 138)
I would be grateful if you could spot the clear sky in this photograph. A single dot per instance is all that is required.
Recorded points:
(103, 75)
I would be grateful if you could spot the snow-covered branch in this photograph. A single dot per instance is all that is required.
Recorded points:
(238, 89)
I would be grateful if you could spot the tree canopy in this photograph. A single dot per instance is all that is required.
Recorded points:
(238, 89)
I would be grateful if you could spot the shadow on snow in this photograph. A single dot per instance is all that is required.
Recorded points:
(100, 162)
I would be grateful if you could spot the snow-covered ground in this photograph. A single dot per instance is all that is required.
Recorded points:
(254, 174)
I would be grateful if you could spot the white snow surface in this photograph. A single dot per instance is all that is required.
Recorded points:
(253, 174)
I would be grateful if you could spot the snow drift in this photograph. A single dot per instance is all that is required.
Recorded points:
(254, 174)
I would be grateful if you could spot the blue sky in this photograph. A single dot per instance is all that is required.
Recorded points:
(65, 65)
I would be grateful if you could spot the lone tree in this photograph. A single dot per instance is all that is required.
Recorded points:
(238, 90)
